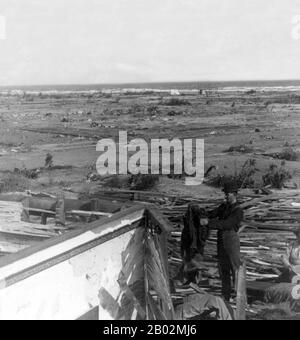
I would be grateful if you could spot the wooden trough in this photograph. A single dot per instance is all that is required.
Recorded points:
(115, 268)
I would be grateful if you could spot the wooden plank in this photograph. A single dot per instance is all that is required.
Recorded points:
(41, 211)
(60, 217)
(197, 288)
(89, 213)
(241, 299)
(10, 223)
(132, 297)
(157, 218)
(108, 303)
(92, 315)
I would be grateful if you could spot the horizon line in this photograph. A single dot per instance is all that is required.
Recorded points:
(153, 82)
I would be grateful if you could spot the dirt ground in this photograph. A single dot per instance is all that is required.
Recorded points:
(68, 126)
(33, 125)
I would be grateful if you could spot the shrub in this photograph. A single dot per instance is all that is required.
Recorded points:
(143, 182)
(152, 109)
(288, 154)
(30, 174)
(176, 102)
(240, 148)
(11, 182)
(276, 177)
(243, 178)
(116, 182)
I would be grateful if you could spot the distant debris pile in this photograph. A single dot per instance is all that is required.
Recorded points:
(30, 174)
(93, 124)
(176, 102)
(143, 182)
(65, 120)
(240, 148)
(49, 161)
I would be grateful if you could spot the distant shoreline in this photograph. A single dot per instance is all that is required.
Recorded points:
(195, 86)
(28, 91)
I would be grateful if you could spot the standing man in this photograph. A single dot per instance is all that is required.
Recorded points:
(229, 216)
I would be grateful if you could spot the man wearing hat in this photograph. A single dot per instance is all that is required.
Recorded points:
(229, 216)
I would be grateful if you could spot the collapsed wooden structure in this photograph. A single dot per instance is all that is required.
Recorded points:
(114, 268)
(118, 266)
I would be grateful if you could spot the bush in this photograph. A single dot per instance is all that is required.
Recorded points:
(240, 148)
(288, 154)
(176, 102)
(152, 109)
(116, 182)
(243, 178)
(12, 182)
(276, 177)
(30, 174)
(143, 182)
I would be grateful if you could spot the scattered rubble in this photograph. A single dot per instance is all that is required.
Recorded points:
(49, 161)
(65, 120)
(240, 148)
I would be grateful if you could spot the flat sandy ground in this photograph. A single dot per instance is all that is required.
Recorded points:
(32, 126)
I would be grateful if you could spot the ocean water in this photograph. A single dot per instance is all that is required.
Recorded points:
(206, 85)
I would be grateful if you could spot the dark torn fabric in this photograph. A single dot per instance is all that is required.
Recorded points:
(284, 293)
(203, 307)
(194, 235)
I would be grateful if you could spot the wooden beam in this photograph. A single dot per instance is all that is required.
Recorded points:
(157, 217)
(89, 213)
(73, 212)
(108, 303)
(241, 298)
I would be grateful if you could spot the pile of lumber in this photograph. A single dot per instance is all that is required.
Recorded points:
(269, 222)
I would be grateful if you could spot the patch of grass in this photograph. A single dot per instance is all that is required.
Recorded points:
(143, 182)
(116, 182)
(287, 154)
(30, 174)
(242, 178)
(288, 99)
(276, 177)
(176, 102)
(11, 182)
(8, 145)
(240, 148)
(152, 109)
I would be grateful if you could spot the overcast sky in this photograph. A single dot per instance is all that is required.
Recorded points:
(106, 41)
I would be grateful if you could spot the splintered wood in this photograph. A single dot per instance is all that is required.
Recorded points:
(269, 224)
(16, 235)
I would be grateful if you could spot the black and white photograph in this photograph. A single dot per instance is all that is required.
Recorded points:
(149, 162)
